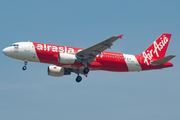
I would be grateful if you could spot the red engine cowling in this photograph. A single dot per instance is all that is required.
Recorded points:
(57, 71)
(66, 58)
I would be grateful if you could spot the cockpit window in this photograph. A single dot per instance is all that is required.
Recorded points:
(14, 45)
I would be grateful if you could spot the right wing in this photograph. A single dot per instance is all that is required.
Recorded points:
(90, 53)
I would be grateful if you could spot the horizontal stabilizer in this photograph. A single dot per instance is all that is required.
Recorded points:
(162, 60)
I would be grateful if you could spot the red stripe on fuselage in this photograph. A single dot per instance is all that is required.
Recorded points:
(112, 62)
(105, 61)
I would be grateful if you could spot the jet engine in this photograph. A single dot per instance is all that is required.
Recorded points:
(57, 71)
(66, 58)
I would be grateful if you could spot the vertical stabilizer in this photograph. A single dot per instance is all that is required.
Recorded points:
(157, 49)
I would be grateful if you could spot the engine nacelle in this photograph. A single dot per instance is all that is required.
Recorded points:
(66, 58)
(57, 71)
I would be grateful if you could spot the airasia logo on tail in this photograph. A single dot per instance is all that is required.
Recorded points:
(158, 47)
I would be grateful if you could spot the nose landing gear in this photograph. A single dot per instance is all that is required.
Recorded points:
(25, 64)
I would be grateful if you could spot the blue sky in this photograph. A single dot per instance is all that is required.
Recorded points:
(32, 94)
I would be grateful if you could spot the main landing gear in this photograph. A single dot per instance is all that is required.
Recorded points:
(79, 78)
(86, 70)
(25, 64)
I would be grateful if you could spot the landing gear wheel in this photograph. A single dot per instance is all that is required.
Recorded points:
(78, 79)
(24, 67)
(86, 70)
(25, 63)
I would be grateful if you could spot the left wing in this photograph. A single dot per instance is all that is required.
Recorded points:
(90, 53)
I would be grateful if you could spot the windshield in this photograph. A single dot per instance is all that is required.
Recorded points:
(14, 45)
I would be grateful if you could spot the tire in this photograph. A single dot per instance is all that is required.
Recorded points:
(24, 67)
(86, 70)
(78, 79)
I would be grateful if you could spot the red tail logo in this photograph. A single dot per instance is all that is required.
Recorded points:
(157, 49)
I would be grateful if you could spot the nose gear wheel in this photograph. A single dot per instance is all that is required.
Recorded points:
(25, 64)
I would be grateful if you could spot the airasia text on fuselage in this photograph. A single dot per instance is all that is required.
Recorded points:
(61, 49)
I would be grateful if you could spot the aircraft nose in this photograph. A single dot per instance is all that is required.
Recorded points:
(5, 51)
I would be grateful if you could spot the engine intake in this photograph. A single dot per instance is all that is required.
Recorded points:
(57, 71)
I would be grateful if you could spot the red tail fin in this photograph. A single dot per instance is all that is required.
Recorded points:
(157, 49)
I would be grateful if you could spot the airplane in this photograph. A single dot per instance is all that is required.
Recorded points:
(66, 60)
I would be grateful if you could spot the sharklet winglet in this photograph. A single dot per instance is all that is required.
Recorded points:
(120, 36)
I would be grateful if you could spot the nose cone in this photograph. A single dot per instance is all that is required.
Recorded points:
(5, 51)
(8, 51)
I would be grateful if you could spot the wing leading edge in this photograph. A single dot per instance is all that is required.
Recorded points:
(90, 53)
